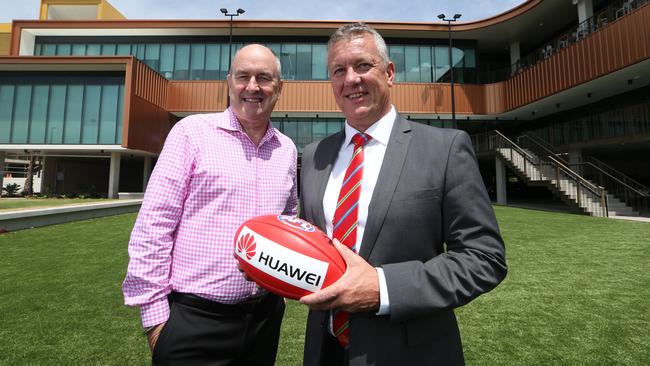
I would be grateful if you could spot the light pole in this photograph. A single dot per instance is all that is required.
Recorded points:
(239, 12)
(451, 66)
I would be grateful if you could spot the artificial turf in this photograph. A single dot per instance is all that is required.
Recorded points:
(576, 294)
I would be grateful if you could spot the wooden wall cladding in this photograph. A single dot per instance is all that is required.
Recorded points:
(196, 96)
(623, 42)
(146, 120)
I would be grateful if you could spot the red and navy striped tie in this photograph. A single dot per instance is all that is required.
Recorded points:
(346, 221)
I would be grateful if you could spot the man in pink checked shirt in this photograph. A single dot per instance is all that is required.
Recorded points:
(214, 172)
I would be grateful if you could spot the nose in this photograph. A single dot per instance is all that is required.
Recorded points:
(252, 84)
(351, 76)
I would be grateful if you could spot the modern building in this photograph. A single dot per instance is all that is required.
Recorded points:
(565, 83)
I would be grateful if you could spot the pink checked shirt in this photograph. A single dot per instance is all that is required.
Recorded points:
(208, 180)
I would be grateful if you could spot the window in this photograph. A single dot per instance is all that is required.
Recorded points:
(73, 107)
(303, 62)
(38, 117)
(152, 56)
(212, 52)
(197, 58)
(22, 101)
(6, 111)
(108, 114)
(109, 49)
(289, 59)
(441, 55)
(63, 50)
(396, 54)
(412, 63)
(426, 64)
(56, 114)
(319, 62)
(300, 61)
(90, 119)
(167, 60)
(182, 62)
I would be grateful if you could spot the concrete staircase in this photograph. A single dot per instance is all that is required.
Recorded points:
(619, 208)
(567, 185)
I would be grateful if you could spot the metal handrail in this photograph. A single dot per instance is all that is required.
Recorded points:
(548, 148)
(561, 170)
(601, 166)
(636, 197)
(614, 178)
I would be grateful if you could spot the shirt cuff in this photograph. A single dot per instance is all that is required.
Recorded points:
(155, 312)
(384, 304)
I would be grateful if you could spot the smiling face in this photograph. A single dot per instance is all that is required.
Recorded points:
(361, 80)
(254, 85)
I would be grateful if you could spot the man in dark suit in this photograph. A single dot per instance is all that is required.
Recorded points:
(422, 225)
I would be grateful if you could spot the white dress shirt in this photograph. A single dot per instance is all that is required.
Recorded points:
(374, 151)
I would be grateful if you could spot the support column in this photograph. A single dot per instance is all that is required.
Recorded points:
(2, 170)
(574, 158)
(515, 58)
(585, 10)
(501, 182)
(114, 175)
(146, 172)
(515, 52)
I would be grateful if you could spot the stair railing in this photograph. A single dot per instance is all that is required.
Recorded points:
(633, 193)
(638, 199)
(587, 195)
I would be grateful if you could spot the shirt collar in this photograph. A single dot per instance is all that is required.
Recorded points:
(379, 131)
(230, 122)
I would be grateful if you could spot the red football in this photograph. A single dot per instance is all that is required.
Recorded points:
(287, 255)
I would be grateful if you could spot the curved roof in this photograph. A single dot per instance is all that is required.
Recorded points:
(530, 24)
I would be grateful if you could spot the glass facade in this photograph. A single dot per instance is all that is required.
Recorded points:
(304, 131)
(300, 61)
(589, 124)
(61, 109)
(426, 64)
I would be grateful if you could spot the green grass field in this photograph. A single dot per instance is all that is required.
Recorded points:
(26, 203)
(576, 294)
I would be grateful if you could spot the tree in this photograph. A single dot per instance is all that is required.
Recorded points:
(34, 167)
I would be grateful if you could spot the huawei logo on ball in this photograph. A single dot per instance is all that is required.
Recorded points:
(246, 243)
(296, 223)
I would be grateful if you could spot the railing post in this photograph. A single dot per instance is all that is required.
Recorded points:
(578, 192)
(526, 170)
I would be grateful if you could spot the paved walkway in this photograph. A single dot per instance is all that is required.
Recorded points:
(631, 218)
(11, 220)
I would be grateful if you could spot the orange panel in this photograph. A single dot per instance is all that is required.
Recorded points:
(148, 127)
(196, 96)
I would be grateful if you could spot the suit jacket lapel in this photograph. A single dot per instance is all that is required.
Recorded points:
(326, 153)
(389, 174)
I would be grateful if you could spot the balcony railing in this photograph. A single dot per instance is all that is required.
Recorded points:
(570, 36)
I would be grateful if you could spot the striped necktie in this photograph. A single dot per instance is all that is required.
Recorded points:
(346, 220)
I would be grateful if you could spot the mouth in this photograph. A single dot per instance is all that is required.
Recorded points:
(355, 96)
(252, 100)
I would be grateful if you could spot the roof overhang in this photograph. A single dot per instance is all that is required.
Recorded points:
(37, 63)
(530, 23)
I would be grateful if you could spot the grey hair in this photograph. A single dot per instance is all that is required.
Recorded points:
(351, 31)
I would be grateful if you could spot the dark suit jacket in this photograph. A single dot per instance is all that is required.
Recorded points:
(429, 193)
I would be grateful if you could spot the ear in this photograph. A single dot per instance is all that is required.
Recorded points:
(229, 80)
(390, 73)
